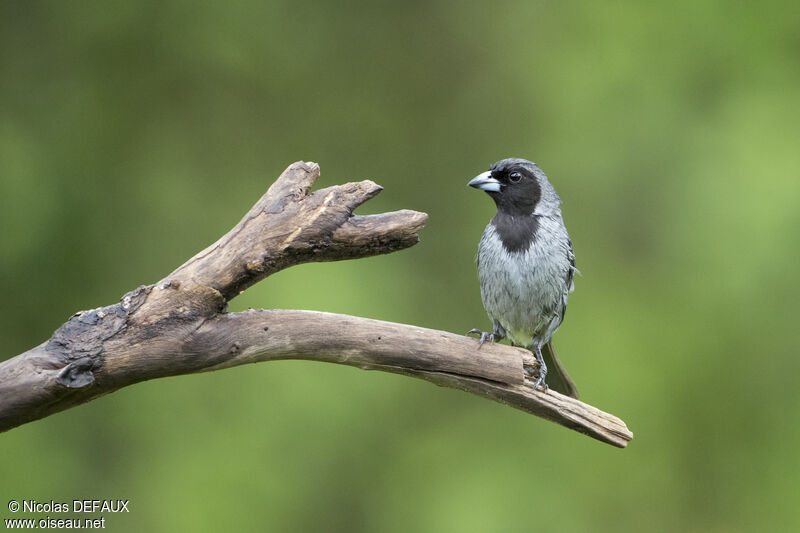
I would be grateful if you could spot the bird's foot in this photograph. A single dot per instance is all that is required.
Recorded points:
(537, 376)
(485, 335)
(540, 383)
(537, 351)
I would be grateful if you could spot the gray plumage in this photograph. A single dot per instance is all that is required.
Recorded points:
(525, 263)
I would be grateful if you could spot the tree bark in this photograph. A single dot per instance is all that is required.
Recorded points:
(180, 325)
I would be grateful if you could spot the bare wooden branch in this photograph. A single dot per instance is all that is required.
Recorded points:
(180, 325)
(289, 226)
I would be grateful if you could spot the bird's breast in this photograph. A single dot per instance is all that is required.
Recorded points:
(524, 290)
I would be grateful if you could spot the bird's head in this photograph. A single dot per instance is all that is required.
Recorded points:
(518, 187)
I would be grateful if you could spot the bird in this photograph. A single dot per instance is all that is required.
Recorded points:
(526, 265)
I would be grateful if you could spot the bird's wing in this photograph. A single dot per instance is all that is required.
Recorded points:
(569, 286)
(571, 270)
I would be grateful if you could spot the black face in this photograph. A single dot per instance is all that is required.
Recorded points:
(519, 192)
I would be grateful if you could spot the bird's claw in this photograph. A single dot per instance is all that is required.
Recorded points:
(531, 371)
(485, 335)
(540, 383)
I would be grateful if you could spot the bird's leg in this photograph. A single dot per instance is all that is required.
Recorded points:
(497, 335)
(537, 350)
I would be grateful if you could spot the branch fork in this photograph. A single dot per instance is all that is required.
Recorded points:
(180, 325)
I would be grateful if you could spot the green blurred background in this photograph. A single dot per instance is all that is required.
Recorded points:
(133, 134)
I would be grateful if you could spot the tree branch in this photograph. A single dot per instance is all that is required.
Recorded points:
(180, 325)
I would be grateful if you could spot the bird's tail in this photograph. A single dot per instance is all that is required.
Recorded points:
(557, 377)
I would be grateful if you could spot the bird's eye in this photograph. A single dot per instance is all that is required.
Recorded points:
(514, 177)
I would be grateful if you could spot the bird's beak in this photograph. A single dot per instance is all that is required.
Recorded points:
(485, 182)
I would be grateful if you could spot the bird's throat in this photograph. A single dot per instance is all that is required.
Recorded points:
(516, 233)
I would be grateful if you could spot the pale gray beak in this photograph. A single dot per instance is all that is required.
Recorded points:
(485, 182)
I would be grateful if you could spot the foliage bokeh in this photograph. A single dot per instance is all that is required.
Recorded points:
(132, 134)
